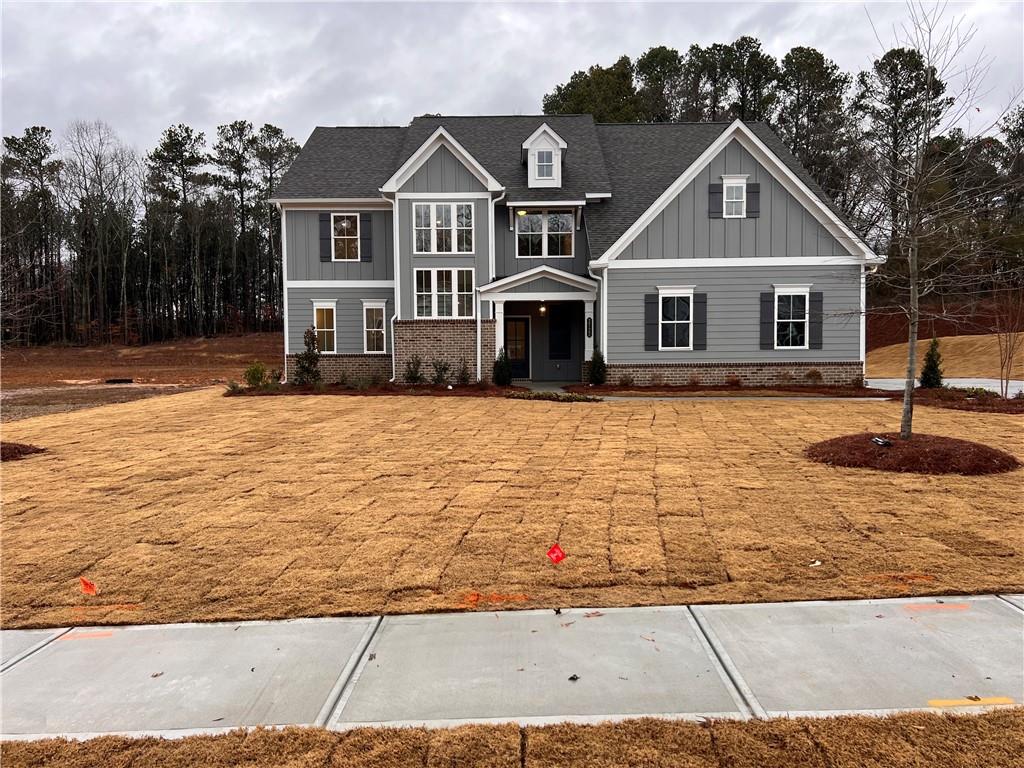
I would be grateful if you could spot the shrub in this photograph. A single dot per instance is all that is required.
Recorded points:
(598, 373)
(785, 377)
(694, 380)
(441, 370)
(858, 382)
(814, 376)
(307, 362)
(233, 388)
(462, 377)
(657, 379)
(414, 370)
(502, 369)
(556, 397)
(255, 375)
(733, 381)
(626, 380)
(931, 372)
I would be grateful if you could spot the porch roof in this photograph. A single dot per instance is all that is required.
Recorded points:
(569, 286)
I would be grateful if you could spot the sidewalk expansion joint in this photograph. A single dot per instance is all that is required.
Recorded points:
(334, 698)
(708, 636)
(33, 650)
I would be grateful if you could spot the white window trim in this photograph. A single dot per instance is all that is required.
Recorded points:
(544, 233)
(433, 293)
(333, 306)
(453, 229)
(734, 180)
(345, 237)
(382, 305)
(665, 291)
(549, 165)
(792, 290)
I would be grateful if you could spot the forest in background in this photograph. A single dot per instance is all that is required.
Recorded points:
(101, 244)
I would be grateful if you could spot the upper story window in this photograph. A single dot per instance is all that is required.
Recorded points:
(545, 164)
(345, 230)
(444, 293)
(442, 227)
(791, 316)
(544, 234)
(734, 189)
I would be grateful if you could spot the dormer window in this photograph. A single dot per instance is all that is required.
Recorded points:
(735, 197)
(545, 164)
(543, 153)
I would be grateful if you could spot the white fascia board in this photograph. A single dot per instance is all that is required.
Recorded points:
(779, 170)
(545, 128)
(339, 284)
(540, 296)
(597, 195)
(437, 139)
(561, 276)
(334, 201)
(545, 203)
(752, 261)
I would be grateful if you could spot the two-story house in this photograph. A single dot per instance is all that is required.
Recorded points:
(684, 252)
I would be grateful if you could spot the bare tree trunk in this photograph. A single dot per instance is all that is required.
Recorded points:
(907, 419)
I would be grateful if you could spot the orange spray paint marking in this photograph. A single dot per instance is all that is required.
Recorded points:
(474, 599)
(84, 635)
(88, 587)
(937, 607)
(975, 701)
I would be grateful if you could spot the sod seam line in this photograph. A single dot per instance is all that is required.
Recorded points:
(33, 649)
(727, 663)
(333, 698)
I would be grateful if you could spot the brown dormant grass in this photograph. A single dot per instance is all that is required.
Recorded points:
(200, 507)
(918, 739)
(962, 356)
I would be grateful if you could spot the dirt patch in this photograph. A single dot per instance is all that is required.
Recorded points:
(953, 741)
(17, 404)
(921, 454)
(15, 451)
(198, 507)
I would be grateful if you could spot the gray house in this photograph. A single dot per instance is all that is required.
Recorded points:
(686, 253)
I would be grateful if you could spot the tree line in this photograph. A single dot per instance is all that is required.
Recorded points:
(101, 244)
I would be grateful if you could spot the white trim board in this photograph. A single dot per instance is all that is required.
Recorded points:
(544, 270)
(339, 284)
(771, 163)
(440, 138)
(752, 261)
(540, 296)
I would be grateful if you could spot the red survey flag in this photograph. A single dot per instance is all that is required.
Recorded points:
(556, 554)
(88, 587)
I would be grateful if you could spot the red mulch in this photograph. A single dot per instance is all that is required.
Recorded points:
(457, 390)
(922, 454)
(964, 400)
(15, 451)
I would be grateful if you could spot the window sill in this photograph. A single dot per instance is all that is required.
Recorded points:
(675, 349)
(790, 349)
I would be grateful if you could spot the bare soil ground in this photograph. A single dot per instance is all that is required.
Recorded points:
(188, 361)
(962, 356)
(198, 507)
(901, 741)
(16, 404)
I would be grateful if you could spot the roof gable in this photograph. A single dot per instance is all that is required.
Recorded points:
(440, 138)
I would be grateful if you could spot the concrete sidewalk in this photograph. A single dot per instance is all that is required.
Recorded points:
(1015, 385)
(530, 667)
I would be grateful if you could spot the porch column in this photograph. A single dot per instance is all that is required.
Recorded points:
(499, 325)
(588, 330)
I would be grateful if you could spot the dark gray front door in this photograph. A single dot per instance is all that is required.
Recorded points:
(517, 345)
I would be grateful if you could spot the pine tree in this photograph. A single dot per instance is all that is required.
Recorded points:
(598, 370)
(931, 371)
(307, 363)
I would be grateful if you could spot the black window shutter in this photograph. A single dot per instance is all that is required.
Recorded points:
(768, 320)
(753, 201)
(817, 303)
(365, 237)
(651, 322)
(700, 321)
(325, 236)
(714, 201)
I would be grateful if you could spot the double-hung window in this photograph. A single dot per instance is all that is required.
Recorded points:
(323, 324)
(442, 227)
(544, 234)
(545, 164)
(444, 293)
(735, 197)
(675, 318)
(373, 326)
(345, 231)
(791, 317)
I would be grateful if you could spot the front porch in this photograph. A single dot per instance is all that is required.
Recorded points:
(544, 319)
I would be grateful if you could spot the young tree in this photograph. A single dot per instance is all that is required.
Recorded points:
(931, 371)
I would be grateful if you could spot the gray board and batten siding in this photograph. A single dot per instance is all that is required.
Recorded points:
(303, 242)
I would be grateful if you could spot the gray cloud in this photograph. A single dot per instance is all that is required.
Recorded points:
(142, 67)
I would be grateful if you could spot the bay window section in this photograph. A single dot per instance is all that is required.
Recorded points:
(545, 234)
(444, 293)
(442, 227)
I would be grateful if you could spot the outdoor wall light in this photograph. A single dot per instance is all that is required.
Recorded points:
(520, 212)
(543, 309)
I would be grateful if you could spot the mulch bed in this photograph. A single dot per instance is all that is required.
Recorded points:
(15, 451)
(434, 390)
(967, 400)
(922, 454)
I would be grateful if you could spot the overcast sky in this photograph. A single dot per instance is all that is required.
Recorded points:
(144, 66)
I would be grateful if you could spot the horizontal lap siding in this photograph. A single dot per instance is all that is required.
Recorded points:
(734, 312)
(348, 315)
(303, 230)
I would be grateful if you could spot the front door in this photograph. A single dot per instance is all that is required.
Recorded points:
(517, 345)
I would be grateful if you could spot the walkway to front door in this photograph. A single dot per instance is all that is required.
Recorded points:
(517, 345)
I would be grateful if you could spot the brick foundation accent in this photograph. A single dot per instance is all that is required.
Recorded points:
(450, 340)
(349, 368)
(749, 374)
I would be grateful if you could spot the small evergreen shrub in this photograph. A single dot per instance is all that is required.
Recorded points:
(255, 375)
(442, 368)
(694, 380)
(658, 379)
(598, 373)
(462, 377)
(234, 388)
(555, 397)
(814, 376)
(307, 362)
(733, 381)
(414, 370)
(502, 369)
(931, 372)
(626, 380)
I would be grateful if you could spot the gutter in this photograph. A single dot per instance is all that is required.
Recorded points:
(490, 265)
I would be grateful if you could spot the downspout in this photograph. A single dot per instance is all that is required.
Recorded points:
(490, 277)
(398, 298)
